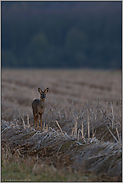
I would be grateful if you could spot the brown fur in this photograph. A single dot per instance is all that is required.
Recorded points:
(38, 108)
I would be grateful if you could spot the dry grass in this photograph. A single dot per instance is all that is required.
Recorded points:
(82, 119)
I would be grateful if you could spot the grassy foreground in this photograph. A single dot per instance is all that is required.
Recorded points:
(82, 126)
(27, 169)
(15, 168)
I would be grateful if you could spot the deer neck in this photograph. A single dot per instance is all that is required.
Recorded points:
(42, 102)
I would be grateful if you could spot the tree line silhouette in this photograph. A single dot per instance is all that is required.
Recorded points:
(61, 34)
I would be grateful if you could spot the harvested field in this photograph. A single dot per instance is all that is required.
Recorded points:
(82, 121)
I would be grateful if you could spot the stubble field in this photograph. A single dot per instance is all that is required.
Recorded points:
(82, 125)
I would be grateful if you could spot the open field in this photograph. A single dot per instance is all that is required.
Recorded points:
(82, 125)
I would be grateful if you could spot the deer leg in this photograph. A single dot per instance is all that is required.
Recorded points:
(35, 121)
(38, 121)
(41, 121)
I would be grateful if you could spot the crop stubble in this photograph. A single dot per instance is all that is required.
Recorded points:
(81, 103)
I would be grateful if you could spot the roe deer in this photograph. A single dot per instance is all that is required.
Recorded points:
(38, 107)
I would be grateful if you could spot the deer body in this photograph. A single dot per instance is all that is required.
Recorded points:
(38, 107)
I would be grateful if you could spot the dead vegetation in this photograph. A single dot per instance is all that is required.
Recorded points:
(82, 119)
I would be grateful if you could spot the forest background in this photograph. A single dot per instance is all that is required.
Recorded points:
(61, 34)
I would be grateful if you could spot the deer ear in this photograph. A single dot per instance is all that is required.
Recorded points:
(39, 90)
(46, 90)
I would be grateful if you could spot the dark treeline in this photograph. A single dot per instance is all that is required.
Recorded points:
(61, 34)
